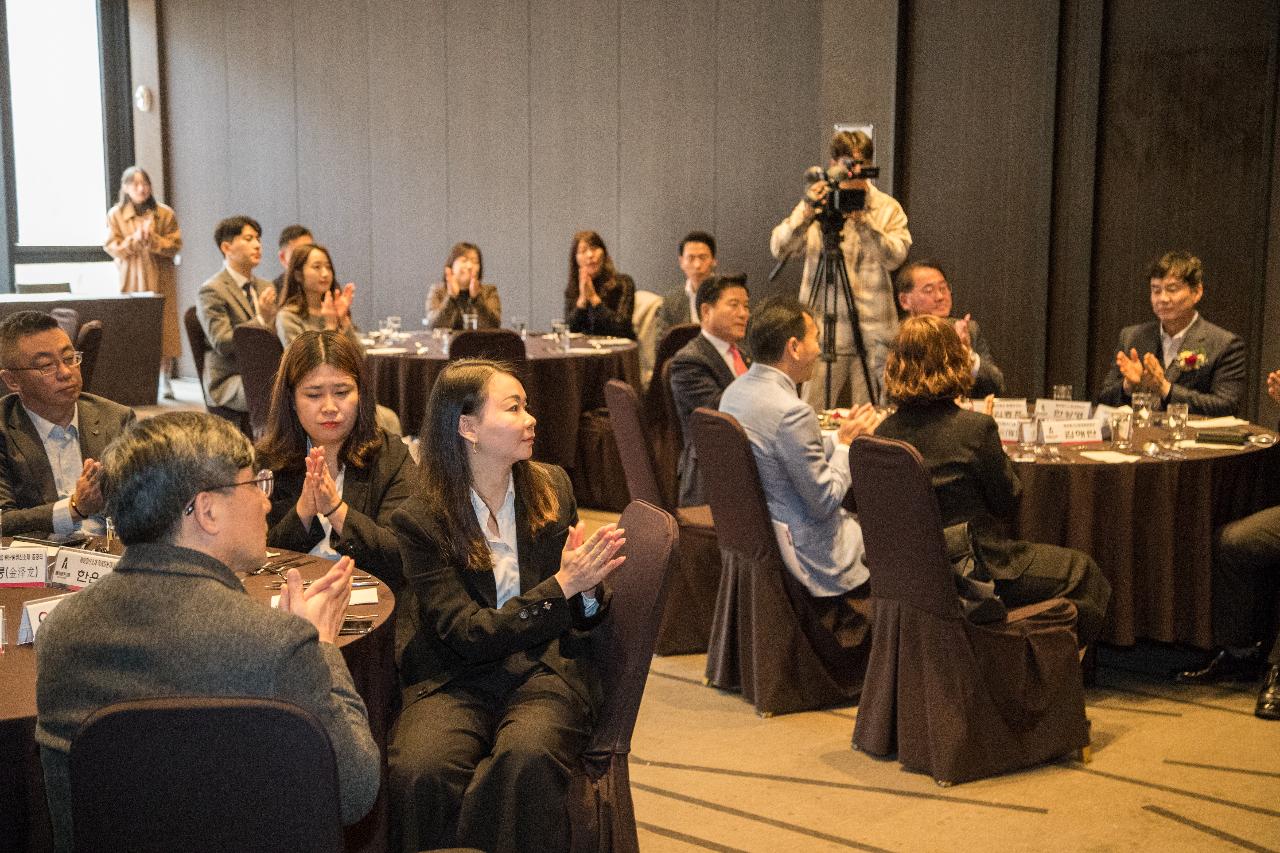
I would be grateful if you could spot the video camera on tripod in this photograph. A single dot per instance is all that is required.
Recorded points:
(836, 204)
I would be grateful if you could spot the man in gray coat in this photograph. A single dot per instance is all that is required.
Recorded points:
(173, 619)
(233, 297)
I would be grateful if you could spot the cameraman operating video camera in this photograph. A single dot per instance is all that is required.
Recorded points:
(874, 241)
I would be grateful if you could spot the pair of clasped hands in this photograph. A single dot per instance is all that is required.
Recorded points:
(1142, 372)
(324, 602)
(140, 240)
(469, 281)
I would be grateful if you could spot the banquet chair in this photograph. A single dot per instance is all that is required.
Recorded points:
(496, 344)
(89, 342)
(758, 642)
(600, 809)
(686, 621)
(204, 774)
(659, 412)
(199, 348)
(644, 319)
(953, 699)
(258, 349)
(68, 320)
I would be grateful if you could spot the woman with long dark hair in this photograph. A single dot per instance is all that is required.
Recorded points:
(463, 291)
(338, 476)
(598, 300)
(502, 587)
(311, 299)
(143, 237)
(972, 477)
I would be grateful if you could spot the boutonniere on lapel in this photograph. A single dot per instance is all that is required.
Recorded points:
(1189, 359)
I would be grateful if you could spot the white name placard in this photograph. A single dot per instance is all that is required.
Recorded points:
(1071, 432)
(22, 565)
(1063, 410)
(1013, 408)
(76, 569)
(34, 613)
(1010, 430)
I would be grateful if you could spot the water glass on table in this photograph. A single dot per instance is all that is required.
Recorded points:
(1121, 430)
(1144, 403)
(1063, 392)
(1028, 438)
(470, 321)
(1177, 418)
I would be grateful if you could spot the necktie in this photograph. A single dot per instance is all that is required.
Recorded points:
(248, 294)
(739, 366)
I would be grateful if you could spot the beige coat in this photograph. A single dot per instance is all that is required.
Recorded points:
(149, 268)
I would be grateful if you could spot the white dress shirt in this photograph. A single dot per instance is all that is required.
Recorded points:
(1172, 344)
(323, 548)
(722, 347)
(63, 451)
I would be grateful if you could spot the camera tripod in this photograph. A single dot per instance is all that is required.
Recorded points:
(828, 286)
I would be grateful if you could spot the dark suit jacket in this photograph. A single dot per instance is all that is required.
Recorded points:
(972, 476)
(1213, 389)
(674, 310)
(27, 490)
(221, 306)
(611, 317)
(372, 494)
(457, 630)
(698, 377)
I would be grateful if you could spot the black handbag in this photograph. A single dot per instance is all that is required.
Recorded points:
(974, 585)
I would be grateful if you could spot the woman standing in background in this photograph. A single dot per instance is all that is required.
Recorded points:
(143, 237)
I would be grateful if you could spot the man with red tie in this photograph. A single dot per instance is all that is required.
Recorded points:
(705, 366)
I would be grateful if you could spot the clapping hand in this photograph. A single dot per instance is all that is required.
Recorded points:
(319, 494)
(324, 603)
(587, 295)
(1273, 385)
(585, 564)
(862, 420)
(88, 493)
(1153, 372)
(962, 329)
(266, 306)
(1130, 367)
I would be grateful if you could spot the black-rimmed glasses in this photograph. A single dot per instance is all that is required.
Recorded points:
(70, 360)
(265, 480)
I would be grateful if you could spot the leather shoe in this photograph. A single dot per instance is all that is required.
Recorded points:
(1269, 698)
(1224, 666)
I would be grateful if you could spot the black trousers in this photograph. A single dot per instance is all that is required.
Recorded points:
(1055, 572)
(487, 763)
(1246, 582)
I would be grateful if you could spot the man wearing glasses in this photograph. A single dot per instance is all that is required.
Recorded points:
(922, 288)
(1181, 357)
(173, 618)
(52, 433)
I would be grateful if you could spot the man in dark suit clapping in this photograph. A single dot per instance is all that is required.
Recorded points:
(705, 366)
(51, 433)
(1181, 356)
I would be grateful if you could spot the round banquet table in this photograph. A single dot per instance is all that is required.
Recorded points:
(24, 818)
(1149, 525)
(560, 385)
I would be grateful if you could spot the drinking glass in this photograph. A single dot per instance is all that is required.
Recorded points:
(557, 328)
(1177, 417)
(1028, 436)
(521, 326)
(1062, 392)
(393, 327)
(1143, 405)
(1121, 430)
(470, 321)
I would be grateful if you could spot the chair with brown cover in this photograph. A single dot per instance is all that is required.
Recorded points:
(953, 699)
(758, 637)
(89, 343)
(496, 344)
(258, 349)
(199, 348)
(204, 774)
(68, 320)
(686, 620)
(600, 809)
(660, 413)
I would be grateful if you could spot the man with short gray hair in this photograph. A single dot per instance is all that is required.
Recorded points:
(172, 618)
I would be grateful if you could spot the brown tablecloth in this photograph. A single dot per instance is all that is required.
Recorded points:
(564, 389)
(1149, 525)
(128, 369)
(24, 817)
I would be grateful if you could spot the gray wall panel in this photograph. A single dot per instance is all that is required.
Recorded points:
(978, 159)
(573, 134)
(767, 125)
(332, 83)
(407, 133)
(666, 138)
(488, 138)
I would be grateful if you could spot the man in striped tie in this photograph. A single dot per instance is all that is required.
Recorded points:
(705, 366)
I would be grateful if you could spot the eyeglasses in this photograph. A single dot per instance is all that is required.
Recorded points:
(265, 480)
(71, 359)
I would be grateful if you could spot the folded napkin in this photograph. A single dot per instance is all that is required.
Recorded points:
(385, 350)
(1109, 456)
(1216, 423)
